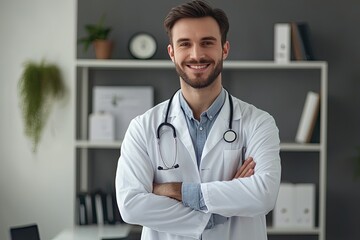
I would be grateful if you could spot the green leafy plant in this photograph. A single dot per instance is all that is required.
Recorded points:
(95, 32)
(40, 84)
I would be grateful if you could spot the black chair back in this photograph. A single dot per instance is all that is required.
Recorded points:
(29, 232)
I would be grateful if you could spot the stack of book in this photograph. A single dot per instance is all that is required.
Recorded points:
(292, 41)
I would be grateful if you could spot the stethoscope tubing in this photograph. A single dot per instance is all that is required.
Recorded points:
(229, 136)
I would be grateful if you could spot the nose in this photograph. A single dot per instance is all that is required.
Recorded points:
(196, 52)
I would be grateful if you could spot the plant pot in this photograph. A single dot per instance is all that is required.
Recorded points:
(103, 49)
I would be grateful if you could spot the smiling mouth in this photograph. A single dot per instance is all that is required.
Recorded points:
(198, 66)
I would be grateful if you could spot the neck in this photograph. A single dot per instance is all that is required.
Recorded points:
(200, 100)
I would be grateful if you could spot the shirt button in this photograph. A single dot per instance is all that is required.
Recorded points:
(210, 117)
(201, 128)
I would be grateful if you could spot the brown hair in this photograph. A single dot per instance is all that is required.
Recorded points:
(197, 9)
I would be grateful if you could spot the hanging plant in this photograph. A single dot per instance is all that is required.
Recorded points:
(39, 86)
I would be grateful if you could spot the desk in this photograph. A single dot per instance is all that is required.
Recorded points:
(95, 232)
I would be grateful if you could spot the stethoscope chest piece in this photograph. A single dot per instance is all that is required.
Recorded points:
(230, 136)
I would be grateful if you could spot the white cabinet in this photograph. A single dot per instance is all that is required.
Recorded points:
(84, 147)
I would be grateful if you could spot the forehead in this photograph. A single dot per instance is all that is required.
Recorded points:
(195, 28)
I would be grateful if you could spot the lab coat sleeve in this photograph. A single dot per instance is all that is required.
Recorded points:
(134, 185)
(255, 195)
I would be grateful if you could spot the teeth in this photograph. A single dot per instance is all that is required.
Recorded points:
(198, 67)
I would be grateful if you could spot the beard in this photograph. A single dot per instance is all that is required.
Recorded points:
(199, 82)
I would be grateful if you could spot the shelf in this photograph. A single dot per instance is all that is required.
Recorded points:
(311, 147)
(124, 64)
(167, 64)
(98, 144)
(293, 231)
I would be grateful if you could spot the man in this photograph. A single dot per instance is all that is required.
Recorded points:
(181, 172)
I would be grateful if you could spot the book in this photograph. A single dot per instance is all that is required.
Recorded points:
(296, 43)
(300, 42)
(304, 30)
(308, 118)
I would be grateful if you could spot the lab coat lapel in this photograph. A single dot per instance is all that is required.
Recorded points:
(221, 124)
(177, 118)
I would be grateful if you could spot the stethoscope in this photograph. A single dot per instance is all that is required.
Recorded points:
(229, 136)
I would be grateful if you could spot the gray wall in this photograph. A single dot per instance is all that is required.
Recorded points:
(335, 38)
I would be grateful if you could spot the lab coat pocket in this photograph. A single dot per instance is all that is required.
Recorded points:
(231, 162)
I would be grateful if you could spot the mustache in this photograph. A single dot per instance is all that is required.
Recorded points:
(200, 61)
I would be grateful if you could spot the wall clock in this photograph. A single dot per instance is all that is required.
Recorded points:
(142, 46)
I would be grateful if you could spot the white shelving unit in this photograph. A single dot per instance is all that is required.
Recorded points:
(83, 145)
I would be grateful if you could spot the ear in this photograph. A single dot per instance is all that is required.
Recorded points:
(226, 49)
(170, 49)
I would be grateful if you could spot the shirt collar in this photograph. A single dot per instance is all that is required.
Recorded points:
(210, 112)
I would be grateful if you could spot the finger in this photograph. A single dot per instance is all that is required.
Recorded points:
(243, 167)
(250, 173)
(250, 166)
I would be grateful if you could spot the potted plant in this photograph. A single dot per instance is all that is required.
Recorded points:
(98, 36)
(40, 84)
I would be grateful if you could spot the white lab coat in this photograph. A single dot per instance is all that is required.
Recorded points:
(244, 201)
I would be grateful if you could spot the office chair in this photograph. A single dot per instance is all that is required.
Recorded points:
(28, 232)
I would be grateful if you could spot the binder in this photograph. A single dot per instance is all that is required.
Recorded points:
(89, 209)
(282, 46)
(99, 209)
(305, 205)
(284, 208)
(110, 208)
(295, 206)
(81, 209)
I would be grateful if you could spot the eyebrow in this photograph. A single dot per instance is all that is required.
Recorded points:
(209, 38)
(202, 39)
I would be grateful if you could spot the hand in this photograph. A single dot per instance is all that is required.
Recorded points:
(172, 190)
(247, 169)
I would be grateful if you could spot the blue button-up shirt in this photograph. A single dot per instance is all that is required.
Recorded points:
(199, 131)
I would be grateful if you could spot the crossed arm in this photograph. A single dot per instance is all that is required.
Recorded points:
(173, 189)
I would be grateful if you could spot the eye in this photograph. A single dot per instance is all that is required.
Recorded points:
(184, 44)
(207, 43)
